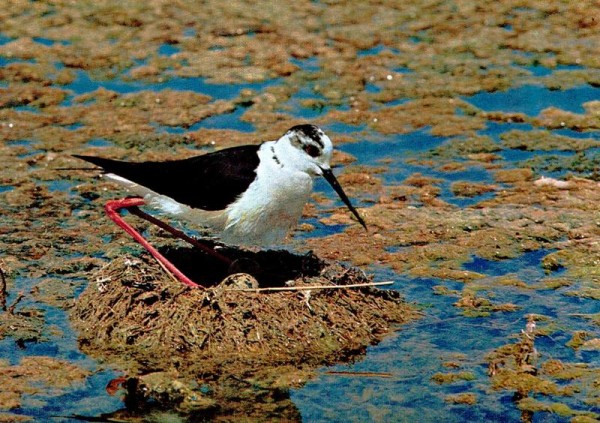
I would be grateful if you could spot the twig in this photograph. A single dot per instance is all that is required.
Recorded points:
(3, 293)
(307, 300)
(167, 271)
(11, 309)
(309, 287)
(360, 374)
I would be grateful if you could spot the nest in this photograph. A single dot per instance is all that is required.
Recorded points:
(136, 316)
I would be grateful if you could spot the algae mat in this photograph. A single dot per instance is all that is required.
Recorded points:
(468, 136)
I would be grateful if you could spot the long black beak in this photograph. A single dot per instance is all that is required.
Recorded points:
(330, 177)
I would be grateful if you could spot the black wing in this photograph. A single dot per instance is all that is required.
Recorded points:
(209, 182)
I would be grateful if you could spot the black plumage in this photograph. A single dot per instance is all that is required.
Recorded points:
(311, 131)
(210, 182)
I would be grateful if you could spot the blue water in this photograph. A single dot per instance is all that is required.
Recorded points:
(99, 142)
(417, 351)
(49, 42)
(398, 148)
(83, 84)
(225, 121)
(503, 267)
(310, 64)
(532, 99)
(395, 147)
(168, 50)
(88, 397)
(539, 70)
(374, 51)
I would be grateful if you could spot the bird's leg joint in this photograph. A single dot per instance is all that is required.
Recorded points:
(112, 208)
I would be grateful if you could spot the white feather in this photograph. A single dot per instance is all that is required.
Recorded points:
(271, 206)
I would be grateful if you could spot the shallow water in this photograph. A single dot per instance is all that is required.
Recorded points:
(412, 355)
(402, 386)
(532, 99)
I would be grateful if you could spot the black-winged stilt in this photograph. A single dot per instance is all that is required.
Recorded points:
(247, 195)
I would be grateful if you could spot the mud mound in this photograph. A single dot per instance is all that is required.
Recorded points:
(133, 307)
(134, 315)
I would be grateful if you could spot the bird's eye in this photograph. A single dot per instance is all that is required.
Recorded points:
(312, 150)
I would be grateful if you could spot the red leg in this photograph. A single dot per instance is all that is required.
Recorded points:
(179, 234)
(112, 208)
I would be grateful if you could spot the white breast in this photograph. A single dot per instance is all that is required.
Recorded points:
(271, 206)
(261, 216)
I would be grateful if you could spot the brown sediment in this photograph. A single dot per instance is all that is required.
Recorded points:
(471, 189)
(35, 374)
(513, 175)
(30, 95)
(441, 56)
(361, 179)
(465, 398)
(555, 118)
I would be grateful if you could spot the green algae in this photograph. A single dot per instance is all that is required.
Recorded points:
(581, 164)
(462, 152)
(24, 324)
(443, 378)
(594, 318)
(474, 306)
(532, 405)
(519, 368)
(554, 283)
(555, 118)
(465, 146)
(578, 339)
(465, 398)
(544, 141)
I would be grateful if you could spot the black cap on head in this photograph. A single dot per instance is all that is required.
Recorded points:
(312, 131)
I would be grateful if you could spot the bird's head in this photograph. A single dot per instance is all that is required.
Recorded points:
(308, 149)
(305, 148)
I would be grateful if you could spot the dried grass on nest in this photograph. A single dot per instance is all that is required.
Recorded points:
(133, 310)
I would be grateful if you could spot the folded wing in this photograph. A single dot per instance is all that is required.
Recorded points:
(209, 182)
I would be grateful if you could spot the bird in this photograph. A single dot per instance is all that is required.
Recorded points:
(249, 195)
